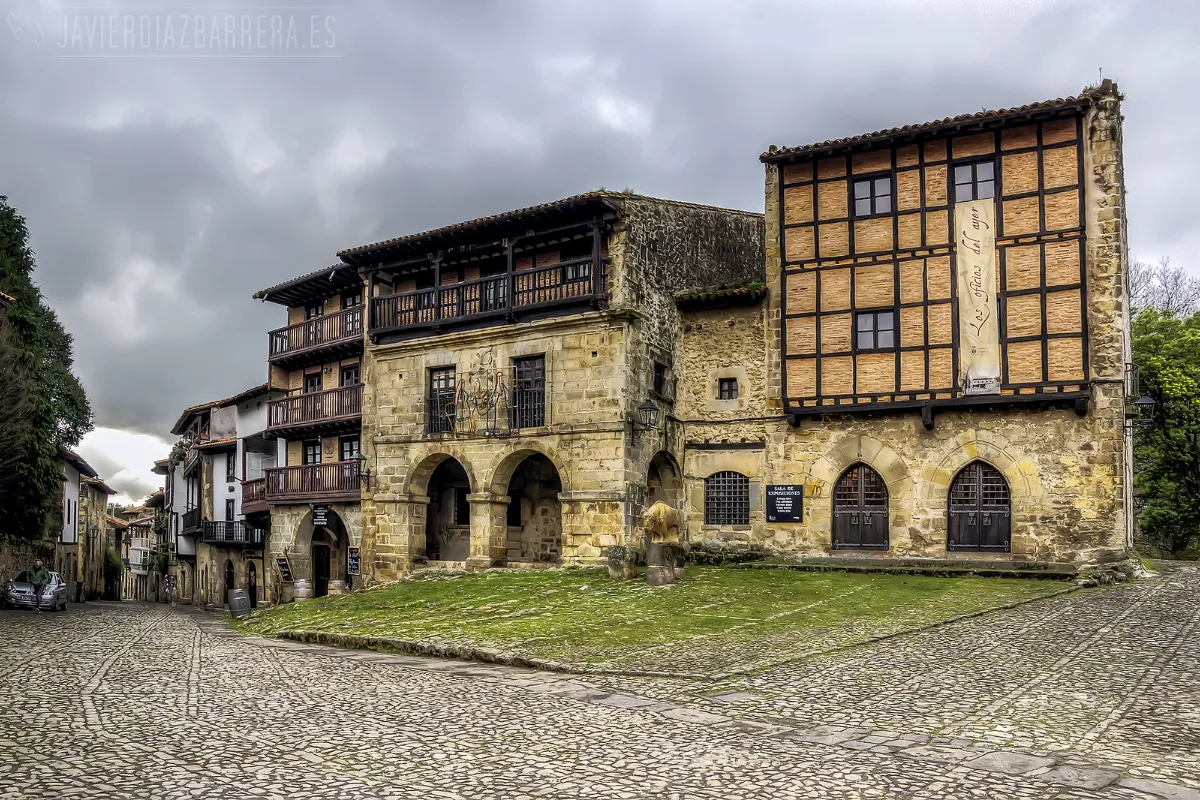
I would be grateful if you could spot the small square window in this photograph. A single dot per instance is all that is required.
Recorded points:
(974, 181)
(875, 330)
(873, 196)
(660, 378)
(727, 389)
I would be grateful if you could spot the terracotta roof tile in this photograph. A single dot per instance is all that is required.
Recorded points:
(237, 398)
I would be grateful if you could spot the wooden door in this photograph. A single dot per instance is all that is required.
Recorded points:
(320, 561)
(860, 510)
(980, 510)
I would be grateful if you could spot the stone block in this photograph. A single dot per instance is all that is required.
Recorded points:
(1079, 777)
(1009, 762)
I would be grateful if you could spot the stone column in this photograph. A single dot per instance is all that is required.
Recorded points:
(489, 530)
(592, 522)
(396, 525)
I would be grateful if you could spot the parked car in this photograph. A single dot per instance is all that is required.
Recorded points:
(18, 593)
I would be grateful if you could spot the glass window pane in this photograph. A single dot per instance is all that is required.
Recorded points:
(885, 338)
(866, 340)
(866, 322)
(883, 320)
(962, 174)
(986, 189)
(983, 171)
(962, 192)
(883, 205)
(862, 189)
(862, 208)
(883, 186)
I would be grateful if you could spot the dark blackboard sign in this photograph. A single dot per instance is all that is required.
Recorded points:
(352, 561)
(785, 503)
(320, 516)
(285, 569)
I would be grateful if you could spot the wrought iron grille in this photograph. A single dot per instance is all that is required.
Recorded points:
(529, 392)
(727, 499)
(979, 485)
(441, 400)
(860, 486)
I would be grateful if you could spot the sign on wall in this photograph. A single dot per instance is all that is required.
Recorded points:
(285, 569)
(785, 503)
(978, 317)
(320, 516)
(352, 560)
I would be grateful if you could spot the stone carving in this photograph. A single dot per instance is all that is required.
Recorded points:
(661, 523)
(665, 556)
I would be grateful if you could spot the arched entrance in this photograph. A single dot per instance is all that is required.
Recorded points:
(534, 511)
(320, 551)
(664, 482)
(229, 581)
(980, 510)
(252, 584)
(860, 510)
(448, 515)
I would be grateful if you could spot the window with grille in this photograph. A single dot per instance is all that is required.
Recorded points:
(974, 181)
(441, 400)
(875, 330)
(727, 389)
(727, 499)
(873, 196)
(529, 392)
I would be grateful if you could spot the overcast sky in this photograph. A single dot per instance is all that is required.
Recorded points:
(162, 191)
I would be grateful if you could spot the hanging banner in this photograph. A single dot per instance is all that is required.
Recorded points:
(978, 322)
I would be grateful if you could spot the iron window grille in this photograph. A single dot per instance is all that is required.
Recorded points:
(872, 196)
(727, 389)
(441, 400)
(875, 330)
(975, 181)
(529, 392)
(727, 499)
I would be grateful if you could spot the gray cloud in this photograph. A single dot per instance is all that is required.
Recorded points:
(161, 193)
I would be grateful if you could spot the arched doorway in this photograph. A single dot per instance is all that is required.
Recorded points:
(448, 515)
(860, 510)
(663, 481)
(319, 553)
(229, 581)
(534, 511)
(252, 584)
(980, 510)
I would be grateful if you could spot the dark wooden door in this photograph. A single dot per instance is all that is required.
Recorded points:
(228, 580)
(252, 584)
(320, 560)
(980, 510)
(860, 510)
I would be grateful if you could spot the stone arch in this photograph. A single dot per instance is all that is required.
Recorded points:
(862, 449)
(534, 511)
(512, 458)
(664, 481)
(335, 536)
(417, 482)
(938, 473)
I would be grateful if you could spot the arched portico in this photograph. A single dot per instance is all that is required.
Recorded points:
(319, 552)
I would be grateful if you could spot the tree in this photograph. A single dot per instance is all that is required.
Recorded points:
(1166, 351)
(16, 412)
(1163, 286)
(59, 410)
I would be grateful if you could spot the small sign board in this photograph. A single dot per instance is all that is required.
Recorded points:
(285, 569)
(320, 516)
(352, 560)
(785, 503)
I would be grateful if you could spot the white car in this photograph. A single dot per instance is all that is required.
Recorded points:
(18, 593)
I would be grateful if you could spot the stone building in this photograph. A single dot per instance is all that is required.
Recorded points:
(94, 497)
(79, 551)
(937, 367)
(517, 371)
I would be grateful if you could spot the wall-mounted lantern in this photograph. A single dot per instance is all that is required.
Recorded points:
(364, 472)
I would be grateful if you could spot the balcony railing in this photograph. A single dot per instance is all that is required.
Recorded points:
(566, 282)
(489, 402)
(191, 521)
(233, 533)
(254, 491)
(331, 405)
(190, 460)
(338, 480)
(329, 329)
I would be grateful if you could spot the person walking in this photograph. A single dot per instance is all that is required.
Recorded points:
(39, 577)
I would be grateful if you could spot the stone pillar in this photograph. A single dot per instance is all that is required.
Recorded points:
(396, 525)
(489, 530)
(592, 522)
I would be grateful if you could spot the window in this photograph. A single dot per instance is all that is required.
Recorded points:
(578, 273)
(727, 499)
(660, 379)
(441, 400)
(875, 330)
(974, 181)
(873, 196)
(230, 467)
(313, 311)
(229, 510)
(312, 452)
(348, 445)
(312, 383)
(462, 507)
(350, 375)
(529, 392)
(352, 299)
(727, 388)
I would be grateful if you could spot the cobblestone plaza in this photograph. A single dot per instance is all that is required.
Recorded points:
(1093, 694)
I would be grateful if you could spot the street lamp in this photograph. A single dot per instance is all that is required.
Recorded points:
(1144, 406)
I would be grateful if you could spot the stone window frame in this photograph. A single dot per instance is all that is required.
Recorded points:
(724, 384)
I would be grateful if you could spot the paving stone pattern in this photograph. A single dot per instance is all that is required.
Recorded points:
(127, 700)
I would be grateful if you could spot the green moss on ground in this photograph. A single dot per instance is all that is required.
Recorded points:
(716, 619)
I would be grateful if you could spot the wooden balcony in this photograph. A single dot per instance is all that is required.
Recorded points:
(328, 337)
(191, 522)
(233, 534)
(254, 496)
(330, 411)
(337, 481)
(543, 291)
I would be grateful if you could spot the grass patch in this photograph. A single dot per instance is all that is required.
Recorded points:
(716, 620)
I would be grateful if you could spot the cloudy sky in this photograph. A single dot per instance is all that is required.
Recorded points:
(162, 191)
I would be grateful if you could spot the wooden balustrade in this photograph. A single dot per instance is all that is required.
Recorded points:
(317, 407)
(336, 480)
(327, 329)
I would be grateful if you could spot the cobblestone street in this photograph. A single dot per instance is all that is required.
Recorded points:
(1093, 694)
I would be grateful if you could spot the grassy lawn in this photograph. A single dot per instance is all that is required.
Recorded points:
(716, 620)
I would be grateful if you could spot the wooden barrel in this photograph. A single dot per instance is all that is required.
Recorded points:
(302, 589)
(337, 587)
